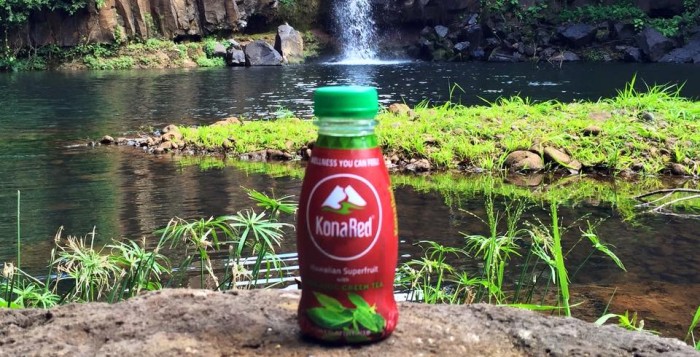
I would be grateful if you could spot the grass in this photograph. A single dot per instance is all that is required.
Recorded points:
(640, 131)
(79, 271)
(521, 263)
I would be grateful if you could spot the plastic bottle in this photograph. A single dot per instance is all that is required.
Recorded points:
(346, 224)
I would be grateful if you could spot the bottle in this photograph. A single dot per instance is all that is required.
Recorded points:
(347, 233)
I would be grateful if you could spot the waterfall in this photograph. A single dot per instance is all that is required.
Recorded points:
(356, 29)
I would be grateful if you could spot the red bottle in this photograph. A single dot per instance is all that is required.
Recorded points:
(346, 225)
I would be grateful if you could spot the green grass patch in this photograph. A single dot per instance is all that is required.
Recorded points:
(639, 131)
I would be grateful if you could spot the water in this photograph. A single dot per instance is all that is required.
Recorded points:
(45, 119)
(356, 31)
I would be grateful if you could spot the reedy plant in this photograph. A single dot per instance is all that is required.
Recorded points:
(435, 279)
(91, 271)
(693, 325)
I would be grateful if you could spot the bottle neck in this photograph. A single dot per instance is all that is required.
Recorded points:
(342, 133)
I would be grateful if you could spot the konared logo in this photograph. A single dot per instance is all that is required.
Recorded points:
(343, 200)
(344, 216)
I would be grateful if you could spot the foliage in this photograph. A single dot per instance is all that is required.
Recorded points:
(628, 12)
(599, 13)
(125, 268)
(204, 61)
(625, 321)
(691, 334)
(434, 279)
(299, 13)
(98, 63)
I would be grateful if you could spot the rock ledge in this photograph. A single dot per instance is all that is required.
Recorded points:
(181, 322)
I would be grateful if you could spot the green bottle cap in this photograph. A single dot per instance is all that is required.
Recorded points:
(352, 102)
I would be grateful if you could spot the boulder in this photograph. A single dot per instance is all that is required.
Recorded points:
(441, 31)
(219, 50)
(182, 322)
(522, 160)
(686, 54)
(422, 165)
(578, 35)
(261, 53)
(290, 44)
(107, 140)
(234, 53)
(623, 31)
(503, 55)
(653, 44)
(630, 54)
(569, 56)
(235, 57)
(561, 158)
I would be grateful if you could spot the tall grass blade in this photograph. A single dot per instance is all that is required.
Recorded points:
(693, 325)
(19, 241)
(559, 259)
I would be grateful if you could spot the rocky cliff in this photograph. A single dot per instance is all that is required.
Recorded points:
(141, 19)
(460, 29)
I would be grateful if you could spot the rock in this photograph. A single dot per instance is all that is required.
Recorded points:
(462, 47)
(228, 121)
(592, 130)
(168, 19)
(260, 53)
(569, 56)
(399, 109)
(290, 44)
(578, 35)
(441, 31)
(422, 165)
(559, 157)
(630, 54)
(178, 322)
(260, 155)
(522, 160)
(234, 54)
(219, 50)
(166, 146)
(235, 57)
(654, 45)
(107, 140)
(170, 128)
(278, 155)
(685, 54)
(679, 169)
(171, 136)
(623, 31)
(502, 55)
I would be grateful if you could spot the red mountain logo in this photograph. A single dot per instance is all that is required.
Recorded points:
(343, 201)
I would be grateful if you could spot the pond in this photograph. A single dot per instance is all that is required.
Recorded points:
(46, 118)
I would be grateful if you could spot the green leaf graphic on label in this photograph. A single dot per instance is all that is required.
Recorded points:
(329, 319)
(333, 315)
(329, 302)
(359, 301)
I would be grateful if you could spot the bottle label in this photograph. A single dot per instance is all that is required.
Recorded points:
(347, 243)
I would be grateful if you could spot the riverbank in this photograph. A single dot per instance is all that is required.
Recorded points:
(655, 132)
